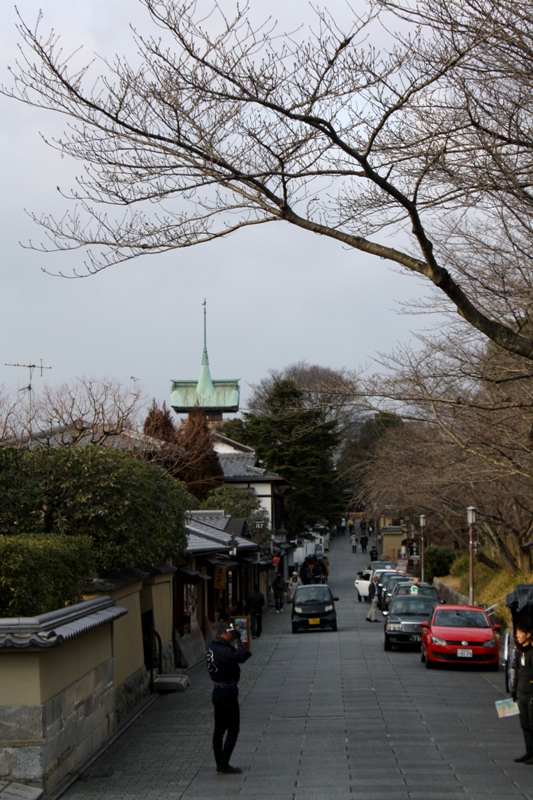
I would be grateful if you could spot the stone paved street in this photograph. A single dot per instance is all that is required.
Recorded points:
(325, 715)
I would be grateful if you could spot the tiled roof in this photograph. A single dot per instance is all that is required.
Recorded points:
(56, 627)
(243, 466)
(210, 536)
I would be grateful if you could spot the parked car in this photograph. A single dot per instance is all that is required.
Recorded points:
(460, 635)
(383, 584)
(382, 565)
(402, 625)
(313, 607)
(362, 581)
(387, 591)
(425, 589)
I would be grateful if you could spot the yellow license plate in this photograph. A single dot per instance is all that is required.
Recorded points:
(314, 621)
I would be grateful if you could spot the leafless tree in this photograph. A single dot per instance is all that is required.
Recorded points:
(223, 126)
(468, 407)
(88, 410)
(332, 391)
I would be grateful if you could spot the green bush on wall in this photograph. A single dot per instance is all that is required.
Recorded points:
(438, 560)
(42, 573)
(132, 511)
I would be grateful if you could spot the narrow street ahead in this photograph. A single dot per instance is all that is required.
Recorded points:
(325, 715)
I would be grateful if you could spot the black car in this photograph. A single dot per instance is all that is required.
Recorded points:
(402, 624)
(385, 582)
(425, 589)
(313, 607)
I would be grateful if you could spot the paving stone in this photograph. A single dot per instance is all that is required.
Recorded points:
(324, 715)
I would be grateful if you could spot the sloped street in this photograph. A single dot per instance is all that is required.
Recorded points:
(325, 715)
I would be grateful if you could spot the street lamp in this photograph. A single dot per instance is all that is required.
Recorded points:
(233, 545)
(471, 519)
(422, 531)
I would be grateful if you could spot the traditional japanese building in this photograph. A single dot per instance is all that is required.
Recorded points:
(213, 397)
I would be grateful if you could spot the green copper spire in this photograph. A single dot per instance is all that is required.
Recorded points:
(204, 387)
(214, 397)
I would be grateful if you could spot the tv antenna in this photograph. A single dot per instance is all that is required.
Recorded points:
(31, 368)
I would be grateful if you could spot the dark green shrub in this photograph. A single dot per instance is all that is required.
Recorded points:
(42, 573)
(132, 510)
(438, 561)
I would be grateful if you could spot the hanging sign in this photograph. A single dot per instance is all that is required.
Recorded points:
(220, 578)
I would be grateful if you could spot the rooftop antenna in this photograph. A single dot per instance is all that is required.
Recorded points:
(29, 387)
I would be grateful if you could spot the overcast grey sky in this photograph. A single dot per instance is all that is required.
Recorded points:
(275, 294)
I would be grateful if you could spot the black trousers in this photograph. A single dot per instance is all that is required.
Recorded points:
(256, 623)
(525, 706)
(227, 722)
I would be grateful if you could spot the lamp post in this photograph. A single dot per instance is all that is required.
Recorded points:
(233, 545)
(471, 519)
(422, 531)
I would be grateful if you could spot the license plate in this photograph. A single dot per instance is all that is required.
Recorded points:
(464, 653)
(314, 621)
(415, 638)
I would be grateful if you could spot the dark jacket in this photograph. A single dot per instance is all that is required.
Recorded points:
(256, 601)
(223, 664)
(372, 590)
(523, 677)
(305, 574)
(278, 584)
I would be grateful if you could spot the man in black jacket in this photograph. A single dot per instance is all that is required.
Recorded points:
(225, 654)
(523, 687)
(254, 606)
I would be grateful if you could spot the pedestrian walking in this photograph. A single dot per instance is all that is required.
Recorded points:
(294, 582)
(373, 554)
(305, 573)
(373, 597)
(278, 586)
(325, 561)
(364, 543)
(224, 655)
(351, 525)
(316, 571)
(354, 541)
(523, 687)
(343, 526)
(254, 607)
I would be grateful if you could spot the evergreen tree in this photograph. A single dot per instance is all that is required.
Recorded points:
(295, 442)
(201, 470)
(159, 423)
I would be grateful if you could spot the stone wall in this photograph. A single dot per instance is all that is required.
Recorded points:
(130, 693)
(41, 744)
(169, 659)
(449, 595)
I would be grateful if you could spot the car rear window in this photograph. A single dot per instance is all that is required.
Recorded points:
(413, 605)
(461, 619)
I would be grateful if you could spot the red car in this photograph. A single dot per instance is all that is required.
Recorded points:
(460, 635)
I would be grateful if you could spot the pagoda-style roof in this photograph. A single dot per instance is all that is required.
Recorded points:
(205, 392)
(224, 396)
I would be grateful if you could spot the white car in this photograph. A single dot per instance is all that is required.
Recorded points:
(362, 582)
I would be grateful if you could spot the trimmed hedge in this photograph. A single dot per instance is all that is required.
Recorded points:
(42, 573)
(438, 561)
(132, 511)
